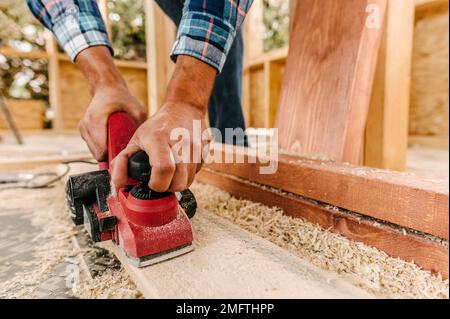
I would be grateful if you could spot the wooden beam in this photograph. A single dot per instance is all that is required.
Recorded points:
(35, 54)
(160, 35)
(386, 139)
(407, 201)
(328, 80)
(228, 262)
(54, 80)
(426, 253)
(104, 10)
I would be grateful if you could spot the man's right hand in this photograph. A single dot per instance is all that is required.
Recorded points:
(110, 94)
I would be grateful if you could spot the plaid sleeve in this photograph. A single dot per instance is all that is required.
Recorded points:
(207, 29)
(76, 24)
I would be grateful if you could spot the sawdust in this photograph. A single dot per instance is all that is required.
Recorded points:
(370, 268)
(47, 212)
(111, 284)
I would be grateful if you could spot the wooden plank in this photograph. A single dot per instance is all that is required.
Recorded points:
(386, 139)
(405, 200)
(428, 254)
(229, 262)
(330, 68)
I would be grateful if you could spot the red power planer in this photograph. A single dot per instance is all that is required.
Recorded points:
(149, 227)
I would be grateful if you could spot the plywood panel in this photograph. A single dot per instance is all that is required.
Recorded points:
(327, 85)
(27, 114)
(75, 96)
(430, 79)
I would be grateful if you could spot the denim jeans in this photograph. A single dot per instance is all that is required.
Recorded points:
(225, 104)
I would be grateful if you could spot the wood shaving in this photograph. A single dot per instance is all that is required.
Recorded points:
(47, 210)
(368, 267)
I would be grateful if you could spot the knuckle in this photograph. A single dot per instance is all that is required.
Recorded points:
(159, 134)
(165, 168)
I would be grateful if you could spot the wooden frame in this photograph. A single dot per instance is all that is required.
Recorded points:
(386, 137)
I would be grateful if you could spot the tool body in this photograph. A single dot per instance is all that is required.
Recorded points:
(149, 226)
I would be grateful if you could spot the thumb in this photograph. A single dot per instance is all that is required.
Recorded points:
(119, 165)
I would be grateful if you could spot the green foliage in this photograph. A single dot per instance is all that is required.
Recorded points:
(128, 28)
(23, 78)
(276, 23)
(18, 28)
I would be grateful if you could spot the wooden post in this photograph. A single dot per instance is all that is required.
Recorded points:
(160, 36)
(253, 38)
(292, 6)
(386, 139)
(53, 80)
(104, 10)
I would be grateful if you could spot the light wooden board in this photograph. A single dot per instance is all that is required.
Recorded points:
(386, 139)
(328, 79)
(75, 96)
(229, 262)
(405, 200)
(426, 253)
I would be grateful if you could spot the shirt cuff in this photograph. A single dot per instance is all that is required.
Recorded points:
(81, 30)
(205, 37)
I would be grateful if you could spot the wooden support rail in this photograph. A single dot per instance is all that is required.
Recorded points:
(404, 200)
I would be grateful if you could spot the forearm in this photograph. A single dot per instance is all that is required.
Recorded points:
(97, 65)
(191, 83)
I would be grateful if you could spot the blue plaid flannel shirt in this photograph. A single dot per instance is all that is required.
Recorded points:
(206, 31)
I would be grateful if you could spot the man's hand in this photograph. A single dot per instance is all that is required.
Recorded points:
(186, 101)
(154, 138)
(110, 94)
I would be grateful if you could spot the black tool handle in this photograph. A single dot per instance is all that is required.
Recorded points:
(139, 167)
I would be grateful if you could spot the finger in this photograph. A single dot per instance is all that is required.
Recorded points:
(119, 165)
(163, 166)
(192, 170)
(89, 142)
(97, 131)
(180, 178)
